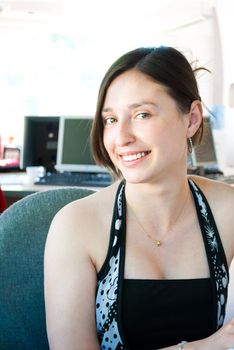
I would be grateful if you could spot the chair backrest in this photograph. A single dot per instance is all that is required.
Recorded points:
(23, 231)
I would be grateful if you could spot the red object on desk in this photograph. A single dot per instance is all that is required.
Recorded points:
(3, 204)
(8, 163)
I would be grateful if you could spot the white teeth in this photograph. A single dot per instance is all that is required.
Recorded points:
(134, 156)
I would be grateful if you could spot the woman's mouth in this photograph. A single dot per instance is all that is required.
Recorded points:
(134, 156)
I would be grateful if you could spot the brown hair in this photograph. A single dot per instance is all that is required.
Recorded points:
(165, 65)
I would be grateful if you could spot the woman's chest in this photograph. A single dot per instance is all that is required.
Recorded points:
(182, 256)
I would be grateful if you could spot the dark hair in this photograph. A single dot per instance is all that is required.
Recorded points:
(165, 65)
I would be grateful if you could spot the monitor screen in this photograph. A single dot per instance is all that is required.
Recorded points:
(205, 152)
(74, 153)
(40, 142)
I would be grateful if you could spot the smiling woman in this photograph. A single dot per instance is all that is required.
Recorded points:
(148, 65)
(134, 116)
(143, 263)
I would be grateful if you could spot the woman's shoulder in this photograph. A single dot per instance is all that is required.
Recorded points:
(215, 190)
(95, 202)
(90, 206)
(82, 218)
(220, 197)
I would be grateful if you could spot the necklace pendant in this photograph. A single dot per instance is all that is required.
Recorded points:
(158, 243)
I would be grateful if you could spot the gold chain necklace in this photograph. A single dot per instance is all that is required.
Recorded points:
(158, 242)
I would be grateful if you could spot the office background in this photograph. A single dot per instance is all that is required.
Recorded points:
(54, 54)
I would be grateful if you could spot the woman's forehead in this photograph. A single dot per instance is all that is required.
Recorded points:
(134, 87)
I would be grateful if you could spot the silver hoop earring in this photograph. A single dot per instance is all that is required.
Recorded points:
(190, 145)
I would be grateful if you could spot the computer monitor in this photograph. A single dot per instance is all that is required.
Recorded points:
(205, 153)
(74, 153)
(40, 142)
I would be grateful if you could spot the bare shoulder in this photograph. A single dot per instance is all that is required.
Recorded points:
(86, 210)
(83, 225)
(215, 190)
(220, 197)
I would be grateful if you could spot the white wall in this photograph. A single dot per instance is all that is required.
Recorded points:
(225, 15)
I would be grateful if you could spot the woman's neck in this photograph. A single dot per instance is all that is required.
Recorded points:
(160, 204)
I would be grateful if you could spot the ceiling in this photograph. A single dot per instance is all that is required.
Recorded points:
(166, 15)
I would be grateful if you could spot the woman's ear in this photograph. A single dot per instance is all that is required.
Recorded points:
(195, 118)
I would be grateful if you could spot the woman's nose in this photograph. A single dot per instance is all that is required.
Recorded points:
(124, 133)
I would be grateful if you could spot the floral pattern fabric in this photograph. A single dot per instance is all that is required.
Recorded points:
(218, 264)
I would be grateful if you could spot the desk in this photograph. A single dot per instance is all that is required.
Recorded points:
(16, 186)
(13, 192)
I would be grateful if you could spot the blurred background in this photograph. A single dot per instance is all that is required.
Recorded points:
(53, 55)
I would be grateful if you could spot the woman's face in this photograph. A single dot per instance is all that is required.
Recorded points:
(145, 135)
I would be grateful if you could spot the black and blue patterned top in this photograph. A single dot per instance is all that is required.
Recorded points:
(110, 278)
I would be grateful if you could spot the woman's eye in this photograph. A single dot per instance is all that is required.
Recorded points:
(142, 115)
(109, 120)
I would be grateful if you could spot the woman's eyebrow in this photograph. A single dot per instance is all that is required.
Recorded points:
(133, 105)
(107, 109)
(142, 103)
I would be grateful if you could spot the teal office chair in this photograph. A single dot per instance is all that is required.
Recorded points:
(23, 231)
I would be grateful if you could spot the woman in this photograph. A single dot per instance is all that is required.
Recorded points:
(143, 264)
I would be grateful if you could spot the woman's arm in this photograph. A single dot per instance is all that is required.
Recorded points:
(70, 284)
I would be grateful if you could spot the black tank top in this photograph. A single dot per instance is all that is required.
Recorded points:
(161, 313)
(115, 319)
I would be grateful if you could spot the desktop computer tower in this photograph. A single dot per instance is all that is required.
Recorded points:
(40, 142)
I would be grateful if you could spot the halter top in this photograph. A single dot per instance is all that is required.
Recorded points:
(109, 294)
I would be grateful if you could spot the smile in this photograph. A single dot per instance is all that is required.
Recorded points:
(131, 157)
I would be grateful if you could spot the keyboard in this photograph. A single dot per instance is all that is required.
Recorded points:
(211, 173)
(75, 179)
